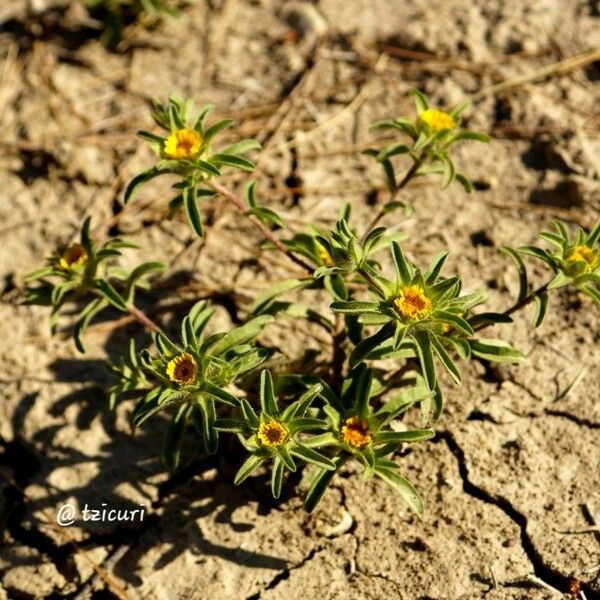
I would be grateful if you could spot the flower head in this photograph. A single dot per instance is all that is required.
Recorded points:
(272, 433)
(583, 254)
(324, 256)
(74, 256)
(184, 144)
(183, 369)
(355, 432)
(412, 303)
(436, 120)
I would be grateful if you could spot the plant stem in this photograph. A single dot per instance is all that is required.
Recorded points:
(142, 318)
(403, 182)
(266, 232)
(518, 305)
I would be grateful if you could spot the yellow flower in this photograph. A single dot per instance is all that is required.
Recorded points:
(412, 303)
(324, 256)
(436, 120)
(583, 254)
(74, 256)
(272, 433)
(183, 144)
(183, 369)
(355, 433)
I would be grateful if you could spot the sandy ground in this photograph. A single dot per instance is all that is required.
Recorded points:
(514, 470)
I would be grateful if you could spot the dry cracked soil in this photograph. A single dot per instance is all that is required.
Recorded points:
(512, 480)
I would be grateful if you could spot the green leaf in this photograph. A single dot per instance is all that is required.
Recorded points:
(467, 134)
(403, 437)
(203, 165)
(231, 160)
(390, 175)
(111, 295)
(266, 215)
(281, 287)
(541, 304)
(318, 485)
(277, 477)
(137, 273)
(267, 395)
(356, 307)
(85, 235)
(560, 280)
(204, 111)
(140, 179)
(445, 358)
(311, 456)
(212, 131)
(251, 464)
(449, 171)
(425, 355)
(403, 269)
(192, 211)
(240, 335)
(430, 276)
(401, 402)
(174, 437)
(523, 283)
(402, 487)
(495, 350)
(242, 146)
(455, 321)
(165, 346)
(592, 292)
(230, 425)
(371, 343)
(464, 181)
(594, 235)
(205, 408)
(187, 334)
(283, 452)
(216, 392)
(363, 392)
(420, 101)
(392, 150)
(86, 315)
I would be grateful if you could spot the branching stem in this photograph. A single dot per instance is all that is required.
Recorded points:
(266, 232)
(142, 318)
(403, 183)
(519, 304)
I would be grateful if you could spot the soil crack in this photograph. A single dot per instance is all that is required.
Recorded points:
(541, 570)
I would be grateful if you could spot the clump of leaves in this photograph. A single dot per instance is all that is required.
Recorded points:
(84, 273)
(431, 136)
(186, 151)
(390, 331)
(116, 15)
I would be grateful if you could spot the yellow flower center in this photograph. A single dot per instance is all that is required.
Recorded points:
(436, 120)
(272, 433)
(74, 256)
(183, 144)
(324, 256)
(412, 303)
(183, 369)
(355, 432)
(583, 254)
